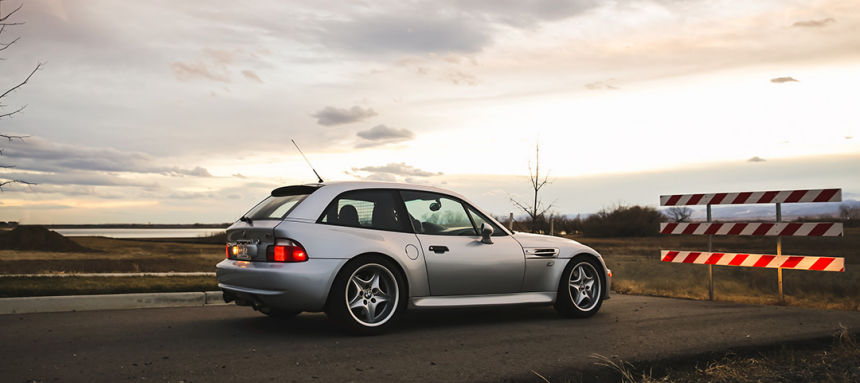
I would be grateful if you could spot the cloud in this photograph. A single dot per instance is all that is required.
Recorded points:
(780, 80)
(190, 71)
(38, 154)
(191, 196)
(330, 115)
(756, 159)
(438, 27)
(814, 23)
(525, 14)
(408, 33)
(460, 78)
(599, 85)
(392, 172)
(196, 172)
(397, 169)
(251, 75)
(381, 134)
(213, 65)
(75, 178)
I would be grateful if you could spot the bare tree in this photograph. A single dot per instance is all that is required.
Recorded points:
(536, 209)
(4, 23)
(849, 213)
(679, 214)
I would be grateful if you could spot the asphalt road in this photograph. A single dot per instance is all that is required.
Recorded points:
(229, 343)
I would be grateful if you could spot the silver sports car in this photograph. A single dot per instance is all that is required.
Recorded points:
(365, 251)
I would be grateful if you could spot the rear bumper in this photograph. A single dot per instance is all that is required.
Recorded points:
(302, 286)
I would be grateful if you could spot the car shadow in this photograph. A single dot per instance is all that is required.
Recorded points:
(317, 325)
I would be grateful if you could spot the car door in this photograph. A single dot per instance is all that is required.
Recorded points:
(458, 263)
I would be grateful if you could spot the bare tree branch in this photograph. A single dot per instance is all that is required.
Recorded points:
(12, 113)
(38, 66)
(535, 210)
(4, 18)
(7, 45)
(10, 138)
(8, 182)
(524, 208)
(3, 46)
(679, 214)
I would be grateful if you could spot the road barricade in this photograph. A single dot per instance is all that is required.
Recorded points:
(778, 229)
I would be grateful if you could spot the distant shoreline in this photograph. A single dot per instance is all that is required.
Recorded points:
(140, 226)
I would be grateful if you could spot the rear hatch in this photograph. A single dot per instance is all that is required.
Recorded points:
(249, 238)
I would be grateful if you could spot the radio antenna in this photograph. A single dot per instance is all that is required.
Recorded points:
(319, 179)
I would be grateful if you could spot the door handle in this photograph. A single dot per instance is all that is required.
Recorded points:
(438, 249)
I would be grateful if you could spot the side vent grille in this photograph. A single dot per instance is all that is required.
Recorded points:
(541, 252)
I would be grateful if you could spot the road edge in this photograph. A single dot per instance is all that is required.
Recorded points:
(49, 304)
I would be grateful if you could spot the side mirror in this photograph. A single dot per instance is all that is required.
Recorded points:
(486, 233)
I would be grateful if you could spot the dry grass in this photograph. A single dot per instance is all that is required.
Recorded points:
(634, 261)
(115, 255)
(816, 362)
(637, 269)
(45, 286)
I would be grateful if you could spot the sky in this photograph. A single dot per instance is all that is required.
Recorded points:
(182, 112)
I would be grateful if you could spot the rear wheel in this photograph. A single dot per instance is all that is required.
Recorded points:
(580, 291)
(367, 296)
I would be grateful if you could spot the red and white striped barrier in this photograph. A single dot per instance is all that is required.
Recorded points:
(786, 229)
(755, 260)
(785, 196)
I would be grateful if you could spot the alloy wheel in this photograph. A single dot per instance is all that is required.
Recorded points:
(584, 286)
(372, 295)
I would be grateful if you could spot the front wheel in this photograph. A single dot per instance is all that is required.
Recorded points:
(580, 291)
(367, 296)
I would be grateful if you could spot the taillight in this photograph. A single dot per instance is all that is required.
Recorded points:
(289, 252)
(227, 250)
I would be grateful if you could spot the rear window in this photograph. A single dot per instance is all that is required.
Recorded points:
(275, 207)
(281, 202)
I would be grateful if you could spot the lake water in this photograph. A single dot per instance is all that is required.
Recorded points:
(139, 233)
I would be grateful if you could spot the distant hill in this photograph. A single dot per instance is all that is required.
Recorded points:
(790, 211)
(38, 238)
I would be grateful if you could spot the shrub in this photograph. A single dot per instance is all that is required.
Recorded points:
(623, 221)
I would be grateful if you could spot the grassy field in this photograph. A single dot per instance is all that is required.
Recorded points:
(46, 286)
(637, 269)
(635, 263)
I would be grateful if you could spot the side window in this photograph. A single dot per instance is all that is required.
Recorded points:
(371, 209)
(437, 214)
(478, 218)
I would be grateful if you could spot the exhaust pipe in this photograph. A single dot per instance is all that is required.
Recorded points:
(246, 300)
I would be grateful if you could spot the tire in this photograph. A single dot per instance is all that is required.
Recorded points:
(368, 295)
(280, 314)
(580, 290)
